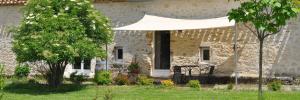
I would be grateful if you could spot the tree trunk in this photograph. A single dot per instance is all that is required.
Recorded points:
(55, 75)
(260, 93)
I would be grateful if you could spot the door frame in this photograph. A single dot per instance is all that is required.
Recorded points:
(162, 73)
(154, 51)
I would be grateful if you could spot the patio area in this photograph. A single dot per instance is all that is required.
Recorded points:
(180, 59)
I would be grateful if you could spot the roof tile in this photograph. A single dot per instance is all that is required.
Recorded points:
(22, 2)
(12, 2)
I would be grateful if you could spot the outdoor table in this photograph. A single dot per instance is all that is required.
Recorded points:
(189, 68)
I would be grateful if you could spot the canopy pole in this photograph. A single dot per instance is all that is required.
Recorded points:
(235, 54)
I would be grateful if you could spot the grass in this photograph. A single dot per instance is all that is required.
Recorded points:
(26, 91)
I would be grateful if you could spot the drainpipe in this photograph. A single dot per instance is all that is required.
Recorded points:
(235, 54)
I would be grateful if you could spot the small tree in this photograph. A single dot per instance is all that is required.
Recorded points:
(57, 32)
(263, 18)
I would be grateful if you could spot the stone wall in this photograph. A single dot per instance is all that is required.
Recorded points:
(139, 43)
(288, 62)
(9, 16)
(220, 41)
(185, 48)
(280, 56)
(7, 57)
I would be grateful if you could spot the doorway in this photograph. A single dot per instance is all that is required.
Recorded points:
(162, 50)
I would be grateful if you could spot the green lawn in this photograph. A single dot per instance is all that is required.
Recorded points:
(88, 92)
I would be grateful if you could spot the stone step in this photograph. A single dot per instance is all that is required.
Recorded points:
(161, 73)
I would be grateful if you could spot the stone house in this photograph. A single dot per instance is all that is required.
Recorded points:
(176, 47)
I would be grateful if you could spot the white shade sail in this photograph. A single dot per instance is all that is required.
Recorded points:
(151, 23)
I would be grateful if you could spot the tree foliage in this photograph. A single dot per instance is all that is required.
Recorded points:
(55, 30)
(58, 31)
(267, 16)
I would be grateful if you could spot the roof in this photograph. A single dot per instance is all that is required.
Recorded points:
(12, 2)
(22, 2)
(152, 23)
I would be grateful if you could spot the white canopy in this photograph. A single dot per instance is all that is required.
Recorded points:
(150, 23)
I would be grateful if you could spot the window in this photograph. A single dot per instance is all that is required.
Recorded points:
(86, 63)
(119, 53)
(77, 64)
(205, 52)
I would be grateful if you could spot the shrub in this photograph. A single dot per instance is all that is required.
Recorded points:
(77, 79)
(103, 77)
(194, 84)
(230, 86)
(167, 83)
(144, 80)
(22, 71)
(134, 68)
(274, 85)
(121, 79)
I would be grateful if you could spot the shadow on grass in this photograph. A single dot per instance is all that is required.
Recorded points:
(41, 89)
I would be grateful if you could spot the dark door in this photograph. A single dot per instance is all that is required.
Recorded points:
(162, 50)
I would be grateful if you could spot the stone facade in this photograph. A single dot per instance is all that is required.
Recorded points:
(185, 48)
(279, 57)
(287, 63)
(9, 16)
(7, 55)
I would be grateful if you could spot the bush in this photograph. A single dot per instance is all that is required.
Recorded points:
(134, 68)
(77, 79)
(144, 80)
(167, 83)
(230, 86)
(275, 85)
(194, 84)
(103, 77)
(22, 71)
(121, 79)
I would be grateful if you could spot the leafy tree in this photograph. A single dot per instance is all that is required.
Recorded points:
(263, 18)
(57, 32)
